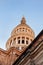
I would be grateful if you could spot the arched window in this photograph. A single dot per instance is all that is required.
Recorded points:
(18, 41)
(22, 41)
(26, 41)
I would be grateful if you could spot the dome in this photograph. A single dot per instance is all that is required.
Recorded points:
(21, 36)
(22, 28)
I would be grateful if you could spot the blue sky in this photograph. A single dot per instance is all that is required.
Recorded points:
(11, 13)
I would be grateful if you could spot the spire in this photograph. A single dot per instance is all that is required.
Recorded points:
(23, 21)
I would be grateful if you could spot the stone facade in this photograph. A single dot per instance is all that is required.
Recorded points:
(9, 56)
(21, 37)
(33, 55)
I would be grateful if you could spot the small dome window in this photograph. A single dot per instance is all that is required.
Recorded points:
(28, 30)
(18, 37)
(23, 37)
(27, 38)
(18, 30)
(23, 29)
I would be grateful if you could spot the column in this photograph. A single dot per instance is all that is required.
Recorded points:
(16, 41)
(25, 40)
(29, 41)
(20, 40)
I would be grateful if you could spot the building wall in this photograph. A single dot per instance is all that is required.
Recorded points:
(35, 56)
(8, 57)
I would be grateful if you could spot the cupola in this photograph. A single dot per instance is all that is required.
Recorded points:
(21, 36)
